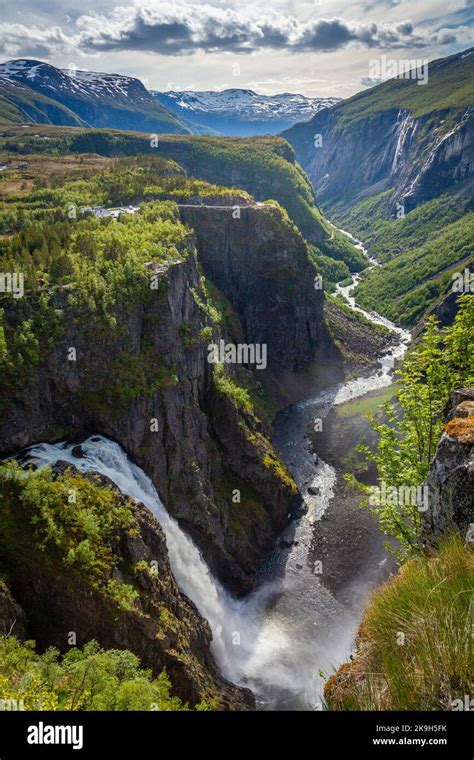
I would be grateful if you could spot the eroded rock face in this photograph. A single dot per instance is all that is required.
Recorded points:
(201, 450)
(451, 477)
(260, 263)
(416, 156)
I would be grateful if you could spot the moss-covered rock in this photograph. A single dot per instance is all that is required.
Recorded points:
(100, 568)
(450, 480)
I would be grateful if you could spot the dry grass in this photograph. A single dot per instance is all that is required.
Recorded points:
(47, 170)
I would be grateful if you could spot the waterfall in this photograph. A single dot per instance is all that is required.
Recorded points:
(251, 645)
(189, 569)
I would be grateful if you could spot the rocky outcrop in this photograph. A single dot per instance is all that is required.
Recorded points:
(361, 343)
(260, 263)
(444, 310)
(450, 480)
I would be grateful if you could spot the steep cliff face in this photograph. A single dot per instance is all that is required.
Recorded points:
(260, 263)
(430, 159)
(162, 626)
(418, 157)
(444, 310)
(148, 385)
(451, 477)
(417, 139)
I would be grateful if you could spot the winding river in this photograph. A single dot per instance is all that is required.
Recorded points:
(283, 638)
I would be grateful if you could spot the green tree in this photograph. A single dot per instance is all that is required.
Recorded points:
(442, 361)
(90, 678)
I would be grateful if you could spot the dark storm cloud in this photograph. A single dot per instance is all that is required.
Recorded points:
(176, 28)
(326, 35)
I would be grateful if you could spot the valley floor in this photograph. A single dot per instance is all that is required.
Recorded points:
(348, 539)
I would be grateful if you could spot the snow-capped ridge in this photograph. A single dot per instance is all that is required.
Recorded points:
(88, 83)
(247, 103)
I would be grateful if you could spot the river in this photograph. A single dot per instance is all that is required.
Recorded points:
(283, 638)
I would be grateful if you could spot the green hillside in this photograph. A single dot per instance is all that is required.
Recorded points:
(265, 167)
(404, 287)
(19, 104)
(449, 86)
(395, 170)
(419, 252)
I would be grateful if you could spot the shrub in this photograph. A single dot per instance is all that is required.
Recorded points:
(90, 678)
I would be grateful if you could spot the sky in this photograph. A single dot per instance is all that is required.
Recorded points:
(314, 47)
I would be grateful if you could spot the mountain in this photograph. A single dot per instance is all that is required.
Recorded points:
(243, 113)
(395, 166)
(400, 135)
(38, 92)
(19, 103)
(34, 91)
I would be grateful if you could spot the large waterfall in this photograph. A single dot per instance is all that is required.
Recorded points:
(250, 645)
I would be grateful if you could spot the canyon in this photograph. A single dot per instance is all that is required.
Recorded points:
(214, 533)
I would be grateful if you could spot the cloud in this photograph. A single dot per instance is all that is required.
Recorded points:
(31, 41)
(180, 28)
(177, 28)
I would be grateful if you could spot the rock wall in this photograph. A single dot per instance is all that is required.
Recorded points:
(416, 156)
(451, 477)
(153, 366)
(260, 263)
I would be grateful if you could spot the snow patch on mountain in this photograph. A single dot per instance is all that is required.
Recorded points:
(247, 104)
(88, 83)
